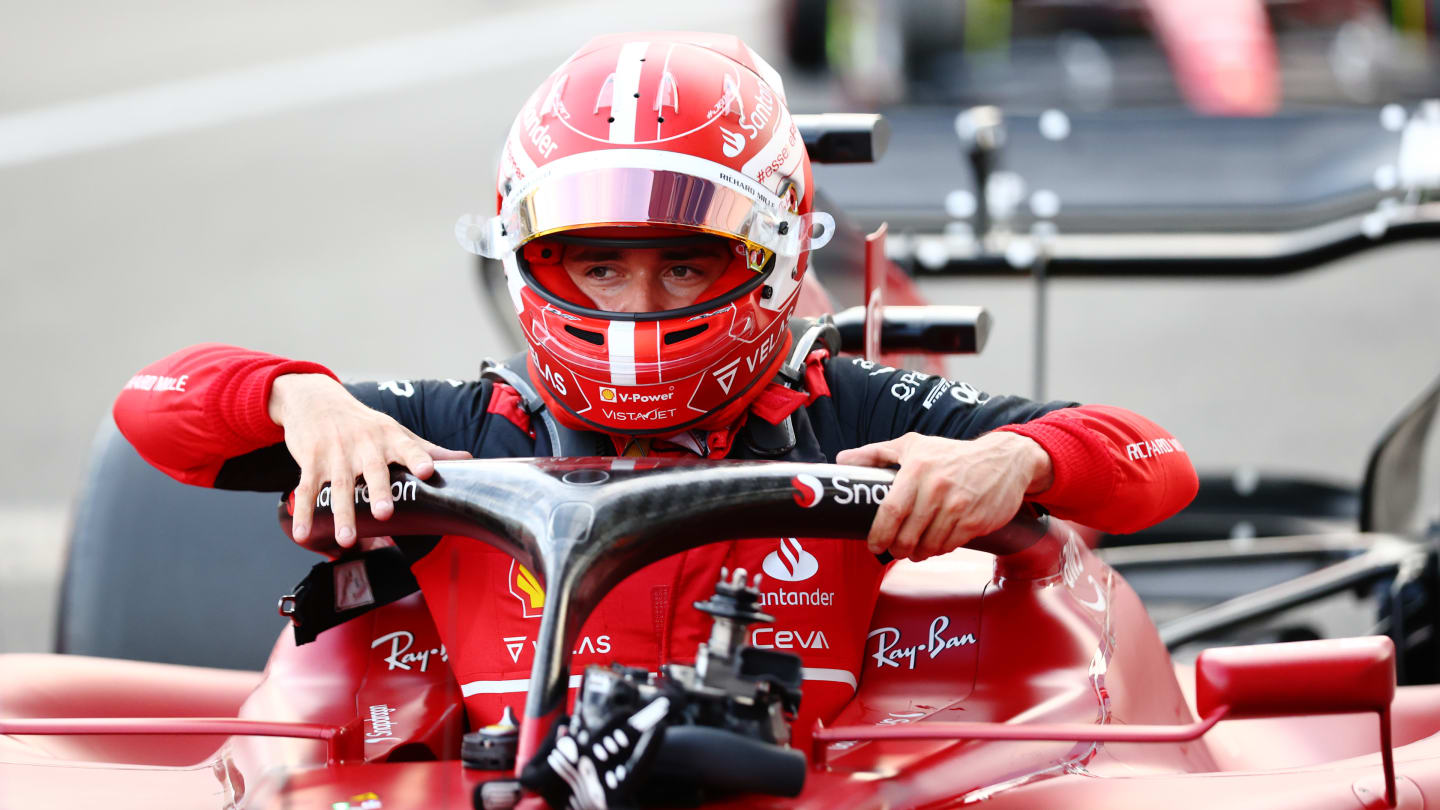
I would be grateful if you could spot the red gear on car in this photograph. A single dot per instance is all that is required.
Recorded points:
(590, 161)
(647, 140)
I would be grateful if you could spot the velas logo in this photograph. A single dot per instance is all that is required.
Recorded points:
(527, 589)
(791, 562)
(808, 490)
(513, 645)
(734, 142)
(607, 394)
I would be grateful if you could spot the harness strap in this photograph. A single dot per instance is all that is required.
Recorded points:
(336, 591)
(775, 440)
(565, 442)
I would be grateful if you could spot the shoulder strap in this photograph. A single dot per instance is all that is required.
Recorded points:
(773, 441)
(807, 333)
(515, 372)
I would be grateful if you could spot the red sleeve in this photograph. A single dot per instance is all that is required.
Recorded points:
(192, 411)
(1114, 470)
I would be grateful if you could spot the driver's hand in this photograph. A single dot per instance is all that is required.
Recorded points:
(949, 491)
(336, 439)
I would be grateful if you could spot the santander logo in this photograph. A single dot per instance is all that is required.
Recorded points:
(791, 562)
(808, 490)
(734, 142)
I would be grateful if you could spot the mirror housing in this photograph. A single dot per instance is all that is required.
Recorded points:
(930, 329)
(1330, 676)
(843, 137)
(1302, 677)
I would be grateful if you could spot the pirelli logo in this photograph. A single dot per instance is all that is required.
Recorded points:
(526, 588)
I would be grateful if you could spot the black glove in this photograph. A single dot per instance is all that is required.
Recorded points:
(598, 768)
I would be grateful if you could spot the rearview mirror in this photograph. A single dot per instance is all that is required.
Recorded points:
(1303, 677)
(1329, 676)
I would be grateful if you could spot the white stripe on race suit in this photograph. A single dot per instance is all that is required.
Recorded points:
(622, 98)
(833, 675)
(516, 685)
(620, 341)
(505, 687)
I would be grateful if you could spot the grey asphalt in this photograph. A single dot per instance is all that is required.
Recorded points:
(322, 230)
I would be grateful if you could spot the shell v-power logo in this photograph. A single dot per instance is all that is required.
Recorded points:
(525, 587)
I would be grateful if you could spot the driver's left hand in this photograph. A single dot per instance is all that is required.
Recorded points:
(948, 490)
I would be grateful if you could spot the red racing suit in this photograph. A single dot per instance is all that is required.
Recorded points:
(201, 416)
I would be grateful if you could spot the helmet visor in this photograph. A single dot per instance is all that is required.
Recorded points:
(629, 195)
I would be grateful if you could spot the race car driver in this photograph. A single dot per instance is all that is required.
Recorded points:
(654, 218)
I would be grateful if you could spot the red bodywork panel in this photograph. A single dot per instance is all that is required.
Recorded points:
(1049, 637)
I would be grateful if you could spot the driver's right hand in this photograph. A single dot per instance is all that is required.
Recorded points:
(336, 440)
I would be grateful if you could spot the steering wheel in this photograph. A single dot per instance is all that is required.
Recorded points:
(586, 524)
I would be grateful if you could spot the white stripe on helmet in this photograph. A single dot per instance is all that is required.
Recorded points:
(622, 100)
(621, 344)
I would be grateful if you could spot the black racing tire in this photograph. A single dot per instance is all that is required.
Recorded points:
(160, 571)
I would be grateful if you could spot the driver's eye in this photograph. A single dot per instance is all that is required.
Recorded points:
(601, 272)
(685, 272)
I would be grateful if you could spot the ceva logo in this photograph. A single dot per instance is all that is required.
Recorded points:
(734, 142)
(791, 562)
(808, 490)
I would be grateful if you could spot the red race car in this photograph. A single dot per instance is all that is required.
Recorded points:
(1023, 671)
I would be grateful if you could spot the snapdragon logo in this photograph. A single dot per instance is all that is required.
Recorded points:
(808, 490)
(791, 562)
(858, 492)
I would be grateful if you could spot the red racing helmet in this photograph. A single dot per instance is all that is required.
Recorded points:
(646, 140)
